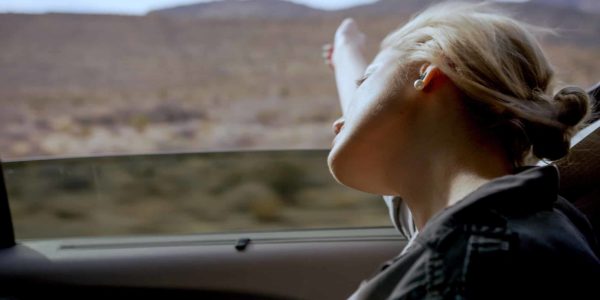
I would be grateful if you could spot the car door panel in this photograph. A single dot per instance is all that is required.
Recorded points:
(327, 264)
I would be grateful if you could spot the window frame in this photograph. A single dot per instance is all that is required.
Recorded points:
(7, 234)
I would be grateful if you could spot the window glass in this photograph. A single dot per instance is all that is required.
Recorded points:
(182, 194)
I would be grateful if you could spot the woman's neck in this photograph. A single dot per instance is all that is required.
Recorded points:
(435, 199)
(449, 177)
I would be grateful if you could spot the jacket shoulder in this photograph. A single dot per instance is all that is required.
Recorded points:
(459, 262)
(535, 254)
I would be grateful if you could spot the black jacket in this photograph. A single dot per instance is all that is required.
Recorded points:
(513, 238)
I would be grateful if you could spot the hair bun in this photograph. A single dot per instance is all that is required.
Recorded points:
(552, 140)
(573, 105)
(549, 142)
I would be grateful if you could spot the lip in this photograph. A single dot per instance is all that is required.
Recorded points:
(338, 126)
(337, 134)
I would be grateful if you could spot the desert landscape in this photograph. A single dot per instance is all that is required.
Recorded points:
(212, 76)
(228, 75)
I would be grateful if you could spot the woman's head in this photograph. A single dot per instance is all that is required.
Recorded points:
(485, 69)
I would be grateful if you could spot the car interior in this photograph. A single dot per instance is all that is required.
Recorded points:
(296, 264)
(166, 82)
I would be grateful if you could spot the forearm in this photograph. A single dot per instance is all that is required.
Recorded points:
(350, 64)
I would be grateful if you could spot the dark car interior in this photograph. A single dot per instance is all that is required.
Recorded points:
(580, 172)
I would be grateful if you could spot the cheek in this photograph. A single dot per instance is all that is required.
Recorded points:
(365, 151)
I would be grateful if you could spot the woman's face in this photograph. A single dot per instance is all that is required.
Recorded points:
(378, 128)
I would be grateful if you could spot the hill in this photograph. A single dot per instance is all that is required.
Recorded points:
(281, 9)
(591, 6)
(236, 9)
(82, 84)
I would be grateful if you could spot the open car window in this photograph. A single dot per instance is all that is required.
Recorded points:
(183, 194)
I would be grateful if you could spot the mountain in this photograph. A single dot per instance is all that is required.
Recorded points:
(146, 52)
(388, 7)
(570, 22)
(216, 75)
(240, 9)
(281, 9)
(591, 6)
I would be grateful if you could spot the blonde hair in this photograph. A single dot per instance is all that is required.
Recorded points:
(503, 73)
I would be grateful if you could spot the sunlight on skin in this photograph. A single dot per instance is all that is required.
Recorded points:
(435, 157)
(364, 156)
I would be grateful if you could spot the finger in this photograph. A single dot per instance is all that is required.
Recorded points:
(328, 61)
(327, 55)
(327, 58)
(327, 50)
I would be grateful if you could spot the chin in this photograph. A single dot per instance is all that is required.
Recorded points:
(350, 175)
(332, 164)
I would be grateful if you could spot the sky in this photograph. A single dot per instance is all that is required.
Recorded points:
(136, 7)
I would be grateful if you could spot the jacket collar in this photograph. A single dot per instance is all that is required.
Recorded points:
(528, 189)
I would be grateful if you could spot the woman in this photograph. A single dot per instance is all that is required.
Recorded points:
(450, 116)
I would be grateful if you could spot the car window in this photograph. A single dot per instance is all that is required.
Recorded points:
(155, 81)
(183, 194)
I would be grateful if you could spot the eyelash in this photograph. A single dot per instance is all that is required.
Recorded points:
(361, 80)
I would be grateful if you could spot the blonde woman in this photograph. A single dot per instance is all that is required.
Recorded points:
(451, 116)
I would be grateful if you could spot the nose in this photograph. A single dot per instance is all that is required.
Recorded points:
(338, 125)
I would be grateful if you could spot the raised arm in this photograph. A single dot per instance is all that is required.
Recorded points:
(347, 58)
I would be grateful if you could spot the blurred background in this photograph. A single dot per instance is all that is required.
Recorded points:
(83, 78)
(210, 76)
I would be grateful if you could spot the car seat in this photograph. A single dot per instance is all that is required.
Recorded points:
(580, 170)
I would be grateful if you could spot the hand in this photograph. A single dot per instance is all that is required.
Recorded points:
(348, 60)
(347, 36)
(328, 54)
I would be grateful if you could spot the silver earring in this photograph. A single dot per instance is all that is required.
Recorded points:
(419, 84)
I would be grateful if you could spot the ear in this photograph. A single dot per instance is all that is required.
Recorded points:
(431, 72)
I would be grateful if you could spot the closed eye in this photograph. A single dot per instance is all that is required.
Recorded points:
(361, 80)
(366, 75)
